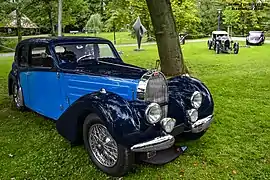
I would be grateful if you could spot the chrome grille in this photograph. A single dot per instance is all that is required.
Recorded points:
(157, 91)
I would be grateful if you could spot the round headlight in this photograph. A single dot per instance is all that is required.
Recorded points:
(196, 99)
(153, 113)
(193, 115)
(168, 124)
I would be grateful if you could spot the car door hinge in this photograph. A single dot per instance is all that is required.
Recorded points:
(58, 75)
(61, 107)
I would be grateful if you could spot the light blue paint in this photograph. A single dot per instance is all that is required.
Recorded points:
(50, 96)
(77, 85)
(25, 90)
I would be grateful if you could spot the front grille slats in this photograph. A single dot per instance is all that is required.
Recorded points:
(157, 91)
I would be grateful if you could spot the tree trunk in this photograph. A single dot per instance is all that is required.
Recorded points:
(167, 38)
(19, 23)
(49, 10)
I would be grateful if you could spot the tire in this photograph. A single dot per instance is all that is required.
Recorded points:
(217, 49)
(192, 136)
(236, 48)
(209, 43)
(247, 43)
(124, 157)
(17, 96)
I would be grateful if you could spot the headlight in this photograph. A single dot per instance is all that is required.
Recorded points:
(168, 124)
(196, 99)
(193, 115)
(153, 113)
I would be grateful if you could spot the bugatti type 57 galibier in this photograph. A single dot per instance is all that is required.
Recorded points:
(119, 111)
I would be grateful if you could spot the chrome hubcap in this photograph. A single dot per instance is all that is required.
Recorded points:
(102, 145)
(16, 96)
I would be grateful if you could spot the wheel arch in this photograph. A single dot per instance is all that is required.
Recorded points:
(11, 79)
(118, 116)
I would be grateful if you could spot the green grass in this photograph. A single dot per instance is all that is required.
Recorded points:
(235, 147)
(121, 38)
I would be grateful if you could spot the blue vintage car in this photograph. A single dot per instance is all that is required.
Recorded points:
(119, 111)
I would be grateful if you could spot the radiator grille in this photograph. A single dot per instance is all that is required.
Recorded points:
(157, 91)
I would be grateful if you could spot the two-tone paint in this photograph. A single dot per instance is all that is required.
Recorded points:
(68, 96)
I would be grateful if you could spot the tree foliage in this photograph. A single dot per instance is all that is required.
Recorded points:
(94, 23)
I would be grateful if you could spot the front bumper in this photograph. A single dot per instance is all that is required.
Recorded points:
(202, 124)
(157, 144)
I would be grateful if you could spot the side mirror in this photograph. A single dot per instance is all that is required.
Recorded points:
(120, 53)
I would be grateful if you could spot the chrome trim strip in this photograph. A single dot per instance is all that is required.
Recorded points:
(157, 144)
(202, 124)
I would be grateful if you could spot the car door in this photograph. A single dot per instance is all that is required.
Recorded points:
(44, 83)
(22, 62)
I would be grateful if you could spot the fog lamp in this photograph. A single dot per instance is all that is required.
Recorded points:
(168, 124)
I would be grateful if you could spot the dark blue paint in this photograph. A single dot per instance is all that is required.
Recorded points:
(120, 117)
(181, 89)
(71, 97)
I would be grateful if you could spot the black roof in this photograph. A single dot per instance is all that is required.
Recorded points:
(60, 40)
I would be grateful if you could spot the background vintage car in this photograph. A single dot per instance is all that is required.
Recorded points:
(221, 42)
(118, 110)
(255, 38)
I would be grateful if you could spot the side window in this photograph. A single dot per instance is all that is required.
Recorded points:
(38, 57)
(105, 51)
(22, 57)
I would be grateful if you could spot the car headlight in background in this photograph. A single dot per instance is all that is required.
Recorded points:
(193, 115)
(168, 124)
(196, 99)
(153, 113)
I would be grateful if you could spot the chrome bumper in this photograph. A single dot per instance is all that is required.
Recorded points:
(202, 124)
(157, 144)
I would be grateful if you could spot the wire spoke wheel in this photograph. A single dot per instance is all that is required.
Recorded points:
(102, 145)
(16, 96)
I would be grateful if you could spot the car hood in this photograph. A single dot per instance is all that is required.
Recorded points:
(120, 70)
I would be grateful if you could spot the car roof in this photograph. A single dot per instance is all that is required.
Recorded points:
(255, 31)
(60, 40)
(219, 32)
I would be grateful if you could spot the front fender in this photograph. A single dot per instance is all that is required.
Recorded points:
(122, 118)
(181, 89)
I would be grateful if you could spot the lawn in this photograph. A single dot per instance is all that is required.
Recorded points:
(235, 147)
(121, 38)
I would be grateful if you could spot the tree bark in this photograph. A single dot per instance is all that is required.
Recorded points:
(49, 10)
(19, 23)
(167, 38)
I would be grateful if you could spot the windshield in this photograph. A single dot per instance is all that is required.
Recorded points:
(70, 55)
(255, 34)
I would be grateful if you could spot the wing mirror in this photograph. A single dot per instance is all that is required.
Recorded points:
(120, 53)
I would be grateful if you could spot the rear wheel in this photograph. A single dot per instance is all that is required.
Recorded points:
(209, 43)
(109, 156)
(17, 97)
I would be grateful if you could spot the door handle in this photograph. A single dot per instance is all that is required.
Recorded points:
(28, 73)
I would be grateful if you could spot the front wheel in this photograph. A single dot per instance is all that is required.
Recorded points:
(109, 156)
(236, 48)
(217, 48)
